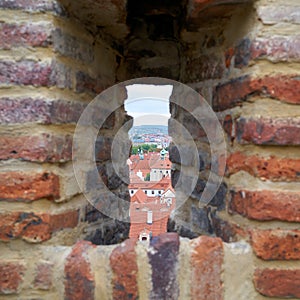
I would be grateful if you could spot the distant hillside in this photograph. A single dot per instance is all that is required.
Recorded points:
(148, 129)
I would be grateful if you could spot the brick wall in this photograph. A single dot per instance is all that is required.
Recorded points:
(51, 68)
(168, 268)
(243, 57)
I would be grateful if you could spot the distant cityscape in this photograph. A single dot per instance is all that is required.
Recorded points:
(150, 188)
(150, 134)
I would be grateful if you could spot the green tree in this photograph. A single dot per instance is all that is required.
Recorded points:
(134, 150)
(147, 178)
(145, 147)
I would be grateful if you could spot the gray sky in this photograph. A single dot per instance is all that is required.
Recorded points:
(148, 104)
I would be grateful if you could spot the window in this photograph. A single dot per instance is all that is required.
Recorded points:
(159, 192)
(152, 192)
(131, 191)
(146, 192)
(149, 217)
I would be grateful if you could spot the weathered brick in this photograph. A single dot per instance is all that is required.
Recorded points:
(266, 205)
(27, 226)
(227, 124)
(229, 53)
(203, 10)
(276, 244)
(33, 5)
(232, 93)
(64, 112)
(183, 154)
(42, 148)
(276, 48)
(22, 186)
(61, 75)
(278, 283)
(85, 83)
(225, 230)
(29, 35)
(43, 279)
(35, 228)
(103, 148)
(273, 168)
(272, 14)
(206, 266)
(11, 277)
(200, 220)
(267, 131)
(163, 257)
(27, 72)
(45, 112)
(204, 67)
(281, 87)
(273, 48)
(68, 219)
(79, 278)
(72, 46)
(242, 53)
(123, 262)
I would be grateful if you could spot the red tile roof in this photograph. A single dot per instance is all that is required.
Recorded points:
(162, 164)
(139, 197)
(148, 185)
(138, 214)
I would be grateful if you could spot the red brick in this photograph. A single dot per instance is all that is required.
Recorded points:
(276, 48)
(67, 219)
(278, 283)
(265, 131)
(11, 277)
(266, 205)
(276, 244)
(43, 276)
(79, 279)
(30, 35)
(42, 148)
(281, 87)
(232, 93)
(124, 266)
(206, 266)
(45, 112)
(35, 228)
(16, 186)
(272, 168)
(285, 88)
(28, 226)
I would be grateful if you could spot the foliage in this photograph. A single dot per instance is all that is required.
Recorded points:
(144, 147)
